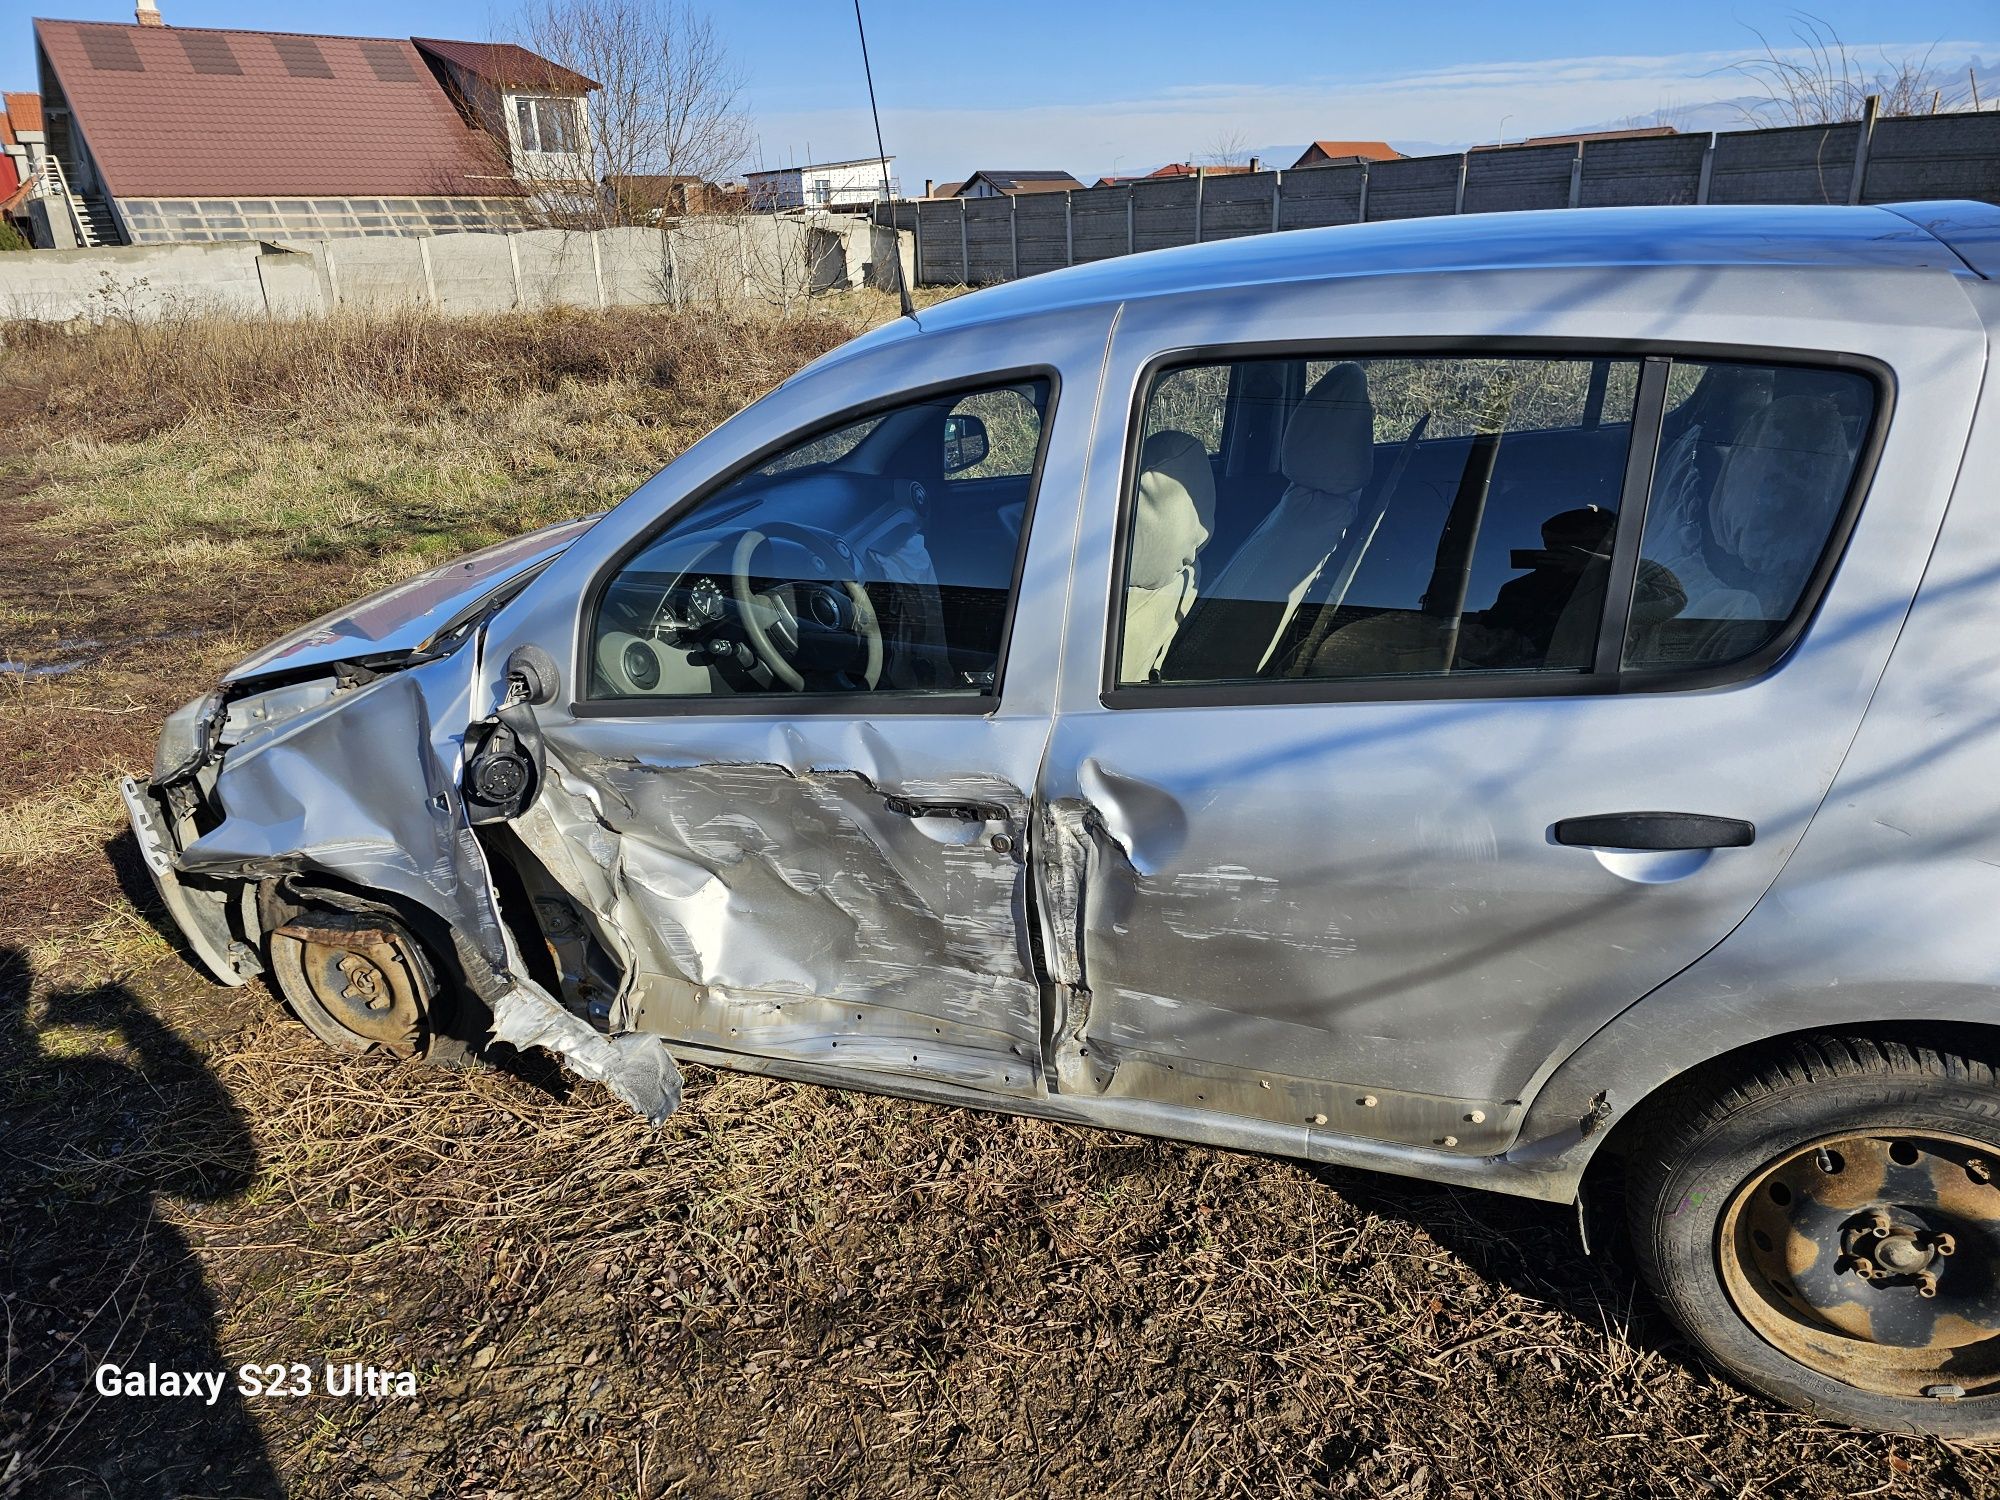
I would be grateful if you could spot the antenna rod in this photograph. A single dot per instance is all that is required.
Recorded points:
(882, 156)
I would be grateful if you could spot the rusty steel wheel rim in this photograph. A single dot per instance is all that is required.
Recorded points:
(1874, 1259)
(362, 985)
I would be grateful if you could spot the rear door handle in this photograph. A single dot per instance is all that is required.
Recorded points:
(1654, 830)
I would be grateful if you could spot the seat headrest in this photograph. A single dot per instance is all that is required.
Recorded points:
(1330, 439)
(1780, 483)
(1175, 511)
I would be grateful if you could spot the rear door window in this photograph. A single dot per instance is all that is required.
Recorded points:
(1755, 465)
(1424, 516)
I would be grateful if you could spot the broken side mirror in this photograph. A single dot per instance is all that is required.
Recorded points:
(964, 442)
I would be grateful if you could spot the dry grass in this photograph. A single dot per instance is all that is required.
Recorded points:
(784, 1291)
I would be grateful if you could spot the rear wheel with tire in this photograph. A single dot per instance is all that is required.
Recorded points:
(1827, 1229)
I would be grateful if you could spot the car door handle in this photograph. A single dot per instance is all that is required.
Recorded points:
(1654, 830)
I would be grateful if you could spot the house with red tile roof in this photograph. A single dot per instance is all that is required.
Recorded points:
(165, 133)
(1341, 153)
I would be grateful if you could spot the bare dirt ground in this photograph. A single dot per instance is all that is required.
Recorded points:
(785, 1290)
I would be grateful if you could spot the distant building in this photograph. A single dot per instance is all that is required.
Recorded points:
(1187, 169)
(1577, 138)
(1011, 184)
(160, 133)
(644, 197)
(828, 184)
(21, 146)
(1342, 153)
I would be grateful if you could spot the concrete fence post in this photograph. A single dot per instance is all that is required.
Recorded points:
(1069, 229)
(1200, 185)
(430, 278)
(916, 248)
(1458, 195)
(332, 277)
(1277, 195)
(1130, 242)
(964, 253)
(1707, 170)
(597, 268)
(674, 296)
(1361, 208)
(1576, 176)
(1869, 109)
(514, 265)
(1014, 234)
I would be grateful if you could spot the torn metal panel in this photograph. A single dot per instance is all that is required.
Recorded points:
(363, 788)
(634, 1066)
(807, 913)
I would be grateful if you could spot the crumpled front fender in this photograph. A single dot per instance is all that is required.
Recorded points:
(364, 789)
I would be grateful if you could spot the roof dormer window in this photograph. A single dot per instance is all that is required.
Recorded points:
(549, 124)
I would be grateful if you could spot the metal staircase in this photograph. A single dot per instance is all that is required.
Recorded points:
(91, 217)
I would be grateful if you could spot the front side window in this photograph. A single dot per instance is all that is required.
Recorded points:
(1424, 516)
(548, 124)
(1754, 468)
(874, 556)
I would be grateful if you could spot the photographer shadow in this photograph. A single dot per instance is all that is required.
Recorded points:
(105, 1112)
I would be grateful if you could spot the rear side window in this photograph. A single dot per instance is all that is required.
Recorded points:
(1429, 516)
(1302, 520)
(1754, 468)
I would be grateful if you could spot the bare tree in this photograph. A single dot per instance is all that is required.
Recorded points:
(1820, 81)
(666, 106)
(1228, 147)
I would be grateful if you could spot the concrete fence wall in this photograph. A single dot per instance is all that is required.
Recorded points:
(778, 259)
(997, 239)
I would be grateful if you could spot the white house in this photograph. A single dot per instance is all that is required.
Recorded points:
(827, 184)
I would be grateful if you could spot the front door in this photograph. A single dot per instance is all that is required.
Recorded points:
(790, 801)
(1362, 818)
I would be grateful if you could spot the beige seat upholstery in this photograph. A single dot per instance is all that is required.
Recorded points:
(1327, 458)
(1767, 517)
(1174, 514)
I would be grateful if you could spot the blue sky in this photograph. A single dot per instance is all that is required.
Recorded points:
(1095, 87)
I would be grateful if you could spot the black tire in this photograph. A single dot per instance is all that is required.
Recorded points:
(1720, 1149)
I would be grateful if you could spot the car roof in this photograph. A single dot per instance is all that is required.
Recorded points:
(1794, 237)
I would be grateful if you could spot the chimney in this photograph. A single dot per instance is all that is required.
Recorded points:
(148, 13)
(928, 185)
(1256, 165)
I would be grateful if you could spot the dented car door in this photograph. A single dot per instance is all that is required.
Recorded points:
(785, 786)
(1497, 708)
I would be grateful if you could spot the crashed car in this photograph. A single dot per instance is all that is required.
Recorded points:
(1509, 700)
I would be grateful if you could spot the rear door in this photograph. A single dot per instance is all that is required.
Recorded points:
(1375, 841)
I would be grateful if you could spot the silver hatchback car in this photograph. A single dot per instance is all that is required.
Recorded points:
(1511, 700)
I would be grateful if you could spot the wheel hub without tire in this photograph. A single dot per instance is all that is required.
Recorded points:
(356, 983)
(1872, 1258)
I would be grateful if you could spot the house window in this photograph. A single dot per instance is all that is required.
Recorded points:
(553, 125)
(822, 190)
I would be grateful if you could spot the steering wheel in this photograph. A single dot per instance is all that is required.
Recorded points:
(803, 613)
